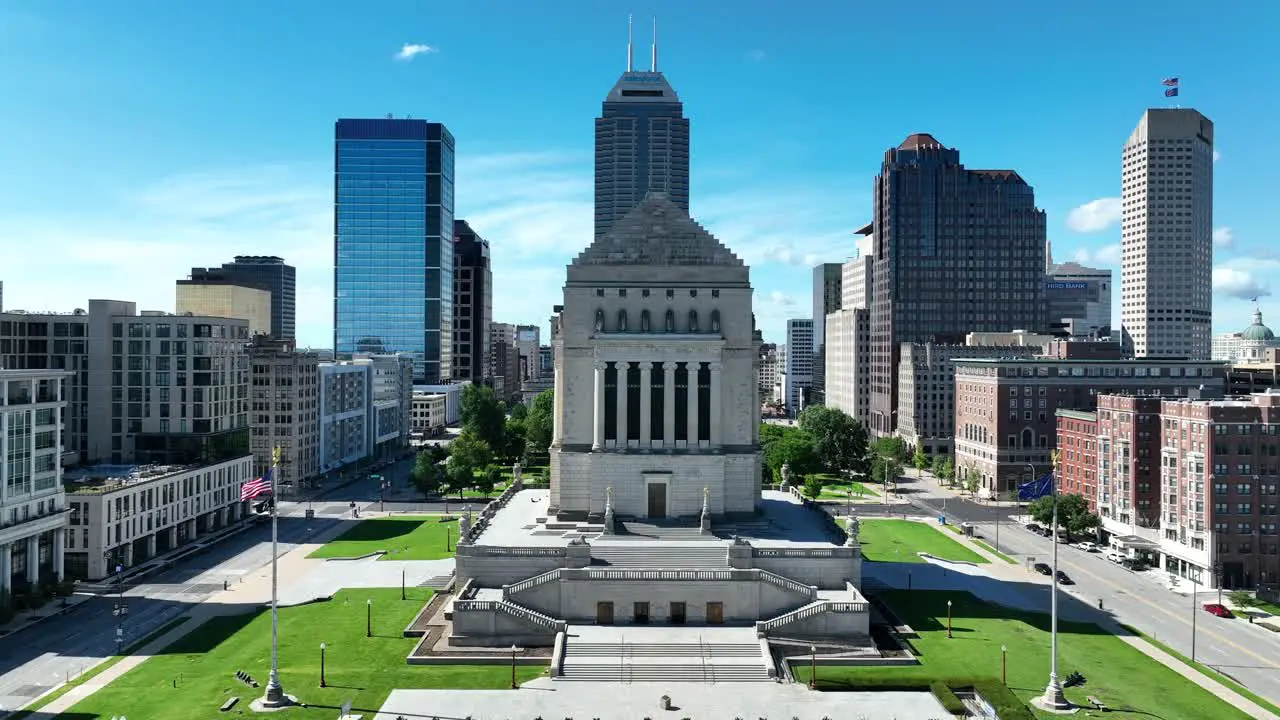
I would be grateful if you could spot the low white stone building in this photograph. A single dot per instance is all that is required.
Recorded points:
(655, 513)
(123, 516)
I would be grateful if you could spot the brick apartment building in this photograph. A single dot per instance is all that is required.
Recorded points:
(1006, 424)
(1191, 485)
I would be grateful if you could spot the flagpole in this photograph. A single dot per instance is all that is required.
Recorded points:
(1053, 698)
(275, 696)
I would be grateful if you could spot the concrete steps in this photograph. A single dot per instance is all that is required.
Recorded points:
(664, 650)
(647, 556)
(639, 530)
(696, 673)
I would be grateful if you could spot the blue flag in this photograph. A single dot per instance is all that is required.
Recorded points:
(1036, 489)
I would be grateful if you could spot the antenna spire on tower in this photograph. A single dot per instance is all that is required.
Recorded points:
(654, 63)
(630, 52)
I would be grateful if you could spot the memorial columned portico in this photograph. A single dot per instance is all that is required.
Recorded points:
(650, 404)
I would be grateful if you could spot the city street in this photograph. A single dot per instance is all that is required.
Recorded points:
(39, 657)
(1249, 654)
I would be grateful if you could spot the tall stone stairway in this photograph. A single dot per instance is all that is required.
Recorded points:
(700, 661)
(661, 530)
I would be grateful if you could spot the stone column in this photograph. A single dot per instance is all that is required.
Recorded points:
(716, 411)
(692, 432)
(151, 545)
(126, 553)
(173, 537)
(33, 560)
(6, 568)
(597, 440)
(646, 403)
(622, 402)
(59, 552)
(669, 404)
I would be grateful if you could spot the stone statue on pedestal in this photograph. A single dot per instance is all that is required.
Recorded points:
(852, 531)
(608, 511)
(517, 476)
(464, 528)
(705, 520)
(599, 320)
(786, 478)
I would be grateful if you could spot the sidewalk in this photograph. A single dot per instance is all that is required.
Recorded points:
(250, 591)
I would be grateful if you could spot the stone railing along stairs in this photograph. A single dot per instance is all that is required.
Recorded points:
(765, 627)
(701, 661)
(531, 617)
(649, 556)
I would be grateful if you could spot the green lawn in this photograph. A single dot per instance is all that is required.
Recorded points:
(835, 489)
(900, 540)
(409, 537)
(995, 552)
(1121, 676)
(361, 669)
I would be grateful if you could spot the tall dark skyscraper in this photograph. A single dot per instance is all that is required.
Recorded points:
(393, 242)
(642, 143)
(267, 272)
(472, 303)
(956, 251)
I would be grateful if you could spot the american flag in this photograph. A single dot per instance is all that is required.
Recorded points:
(1171, 92)
(1171, 82)
(254, 488)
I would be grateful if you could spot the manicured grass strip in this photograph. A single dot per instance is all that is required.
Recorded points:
(1134, 685)
(838, 486)
(98, 669)
(900, 540)
(191, 678)
(1207, 671)
(995, 552)
(403, 537)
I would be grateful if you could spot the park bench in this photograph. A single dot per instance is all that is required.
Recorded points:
(1096, 703)
(230, 703)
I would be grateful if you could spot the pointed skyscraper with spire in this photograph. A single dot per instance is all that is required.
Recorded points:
(642, 141)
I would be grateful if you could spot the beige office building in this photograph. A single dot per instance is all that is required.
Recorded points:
(284, 412)
(226, 300)
(1166, 276)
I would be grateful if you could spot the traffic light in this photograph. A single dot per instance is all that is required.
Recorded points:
(1075, 679)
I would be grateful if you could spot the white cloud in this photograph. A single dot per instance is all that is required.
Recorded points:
(1223, 237)
(409, 51)
(777, 297)
(1094, 216)
(1217, 156)
(1105, 255)
(756, 55)
(1237, 283)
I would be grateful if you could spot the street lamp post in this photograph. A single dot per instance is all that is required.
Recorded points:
(948, 619)
(368, 618)
(1004, 665)
(322, 648)
(813, 667)
(275, 695)
(1053, 698)
(1193, 617)
(514, 650)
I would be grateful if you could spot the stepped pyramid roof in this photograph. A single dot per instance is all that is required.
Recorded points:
(657, 232)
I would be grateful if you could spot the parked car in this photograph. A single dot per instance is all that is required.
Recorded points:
(1046, 532)
(1087, 546)
(1043, 568)
(1065, 579)
(1115, 557)
(1218, 610)
(1033, 527)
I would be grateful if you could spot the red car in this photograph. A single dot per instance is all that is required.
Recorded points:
(1219, 610)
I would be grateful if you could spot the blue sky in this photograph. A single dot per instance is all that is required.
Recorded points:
(146, 137)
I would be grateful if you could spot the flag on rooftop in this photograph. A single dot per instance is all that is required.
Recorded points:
(1171, 92)
(1036, 489)
(1171, 82)
(254, 488)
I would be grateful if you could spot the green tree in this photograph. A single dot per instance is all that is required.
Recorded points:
(514, 440)
(812, 487)
(892, 447)
(949, 471)
(920, 461)
(426, 476)
(483, 414)
(519, 412)
(886, 470)
(1073, 513)
(539, 422)
(794, 448)
(467, 454)
(487, 479)
(839, 440)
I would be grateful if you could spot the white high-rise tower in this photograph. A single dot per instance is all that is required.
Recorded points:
(1166, 277)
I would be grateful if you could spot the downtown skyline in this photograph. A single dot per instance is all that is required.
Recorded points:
(782, 168)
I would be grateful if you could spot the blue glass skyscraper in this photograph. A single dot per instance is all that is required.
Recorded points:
(393, 242)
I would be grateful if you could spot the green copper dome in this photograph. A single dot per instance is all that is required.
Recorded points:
(1258, 332)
